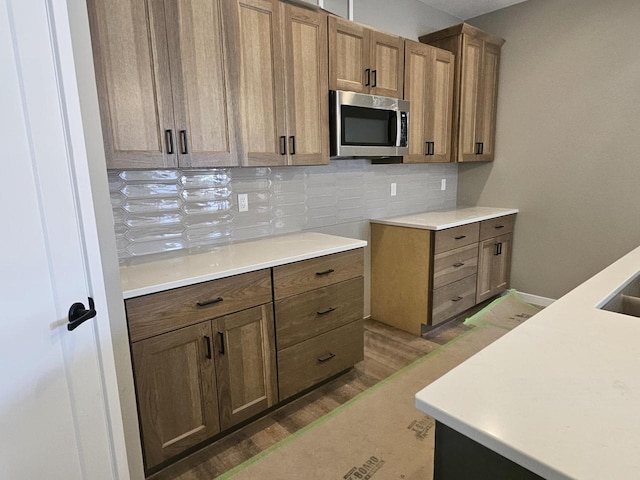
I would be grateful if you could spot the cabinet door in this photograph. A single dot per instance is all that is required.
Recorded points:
(176, 390)
(501, 271)
(261, 83)
(245, 363)
(488, 94)
(387, 64)
(349, 58)
(307, 92)
(202, 94)
(439, 106)
(469, 92)
(494, 266)
(418, 58)
(134, 87)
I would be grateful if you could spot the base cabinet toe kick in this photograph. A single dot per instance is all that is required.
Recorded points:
(209, 356)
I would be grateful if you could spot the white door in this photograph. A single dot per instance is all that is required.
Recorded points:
(56, 419)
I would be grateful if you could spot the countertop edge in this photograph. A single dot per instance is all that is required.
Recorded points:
(443, 226)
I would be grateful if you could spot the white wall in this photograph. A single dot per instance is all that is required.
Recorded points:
(567, 138)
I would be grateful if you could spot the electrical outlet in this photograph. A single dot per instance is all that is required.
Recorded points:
(393, 189)
(443, 184)
(243, 202)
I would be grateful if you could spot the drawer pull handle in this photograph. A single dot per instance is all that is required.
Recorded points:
(460, 237)
(210, 302)
(326, 272)
(326, 357)
(207, 341)
(328, 310)
(458, 265)
(457, 299)
(499, 226)
(221, 336)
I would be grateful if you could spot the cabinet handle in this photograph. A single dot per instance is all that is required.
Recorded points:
(433, 148)
(326, 357)
(207, 341)
(210, 302)
(460, 237)
(498, 226)
(292, 145)
(283, 145)
(500, 248)
(458, 265)
(367, 76)
(375, 78)
(497, 251)
(326, 272)
(324, 312)
(221, 337)
(426, 149)
(183, 142)
(481, 148)
(168, 137)
(457, 299)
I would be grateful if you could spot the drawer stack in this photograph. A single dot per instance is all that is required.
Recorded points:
(319, 329)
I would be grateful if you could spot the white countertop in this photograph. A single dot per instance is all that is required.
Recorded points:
(190, 268)
(560, 394)
(441, 219)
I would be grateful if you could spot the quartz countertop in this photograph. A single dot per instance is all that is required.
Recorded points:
(189, 268)
(441, 219)
(559, 394)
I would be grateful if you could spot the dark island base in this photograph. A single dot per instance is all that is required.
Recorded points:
(457, 457)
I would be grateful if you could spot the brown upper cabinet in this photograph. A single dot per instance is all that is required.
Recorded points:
(477, 60)
(364, 60)
(163, 85)
(428, 85)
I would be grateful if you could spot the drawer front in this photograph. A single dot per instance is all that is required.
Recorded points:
(165, 311)
(307, 275)
(453, 299)
(305, 364)
(456, 237)
(496, 226)
(451, 266)
(309, 314)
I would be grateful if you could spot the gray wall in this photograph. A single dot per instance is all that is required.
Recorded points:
(567, 138)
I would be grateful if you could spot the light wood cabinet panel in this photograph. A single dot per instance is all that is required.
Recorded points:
(134, 86)
(456, 237)
(454, 265)
(307, 89)
(349, 57)
(245, 364)
(453, 299)
(387, 65)
(488, 92)
(176, 390)
(469, 94)
(497, 226)
(494, 266)
(429, 74)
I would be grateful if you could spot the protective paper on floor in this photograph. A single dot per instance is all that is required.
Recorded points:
(380, 434)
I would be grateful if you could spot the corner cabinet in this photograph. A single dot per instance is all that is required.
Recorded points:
(428, 85)
(364, 60)
(476, 89)
(165, 98)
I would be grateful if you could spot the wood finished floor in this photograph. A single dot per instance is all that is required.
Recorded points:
(386, 350)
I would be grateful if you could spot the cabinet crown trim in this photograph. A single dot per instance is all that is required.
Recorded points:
(463, 28)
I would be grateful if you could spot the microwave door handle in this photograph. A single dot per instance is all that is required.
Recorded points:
(398, 128)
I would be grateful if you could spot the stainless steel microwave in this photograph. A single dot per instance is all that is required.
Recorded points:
(368, 125)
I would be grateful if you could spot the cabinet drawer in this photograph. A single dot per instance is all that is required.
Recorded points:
(456, 237)
(316, 359)
(453, 299)
(165, 311)
(317, 272)
(496, 226)
(451, 266)
(309, 314)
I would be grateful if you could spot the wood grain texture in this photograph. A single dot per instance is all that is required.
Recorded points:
(456, 237)
(307, 85)
(462, 28)
(453, 299)
(245, 364)
(439, 110)
(417, 61)
(469, 96)
(349, 55)
(300, 277)
(488, 93)
(453, 265)
(497, 226)
(494, 270)
(400, 276)
(301, 317)
(134, 86)
(387, 64)
(162, 312)
(309, 362)
(176, 392)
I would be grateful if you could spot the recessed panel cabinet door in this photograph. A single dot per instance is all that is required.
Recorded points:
(349, 67)
(494, 266)
(439, 109)
(203, 84)
(245, 363)
(261, 82)
(305, 43)
(133, 77)
(488, 91)
(387, 65)
(417, 60)
(176, 390)
(470, 80)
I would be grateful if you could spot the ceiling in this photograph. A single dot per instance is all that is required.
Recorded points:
(465, 9)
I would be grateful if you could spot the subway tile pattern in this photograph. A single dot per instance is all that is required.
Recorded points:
(162, 210)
